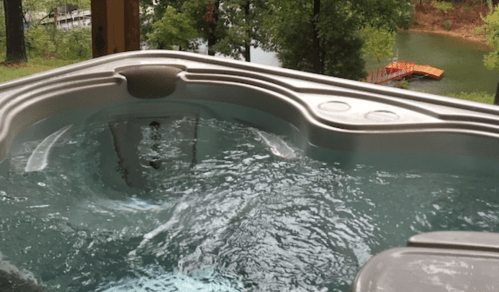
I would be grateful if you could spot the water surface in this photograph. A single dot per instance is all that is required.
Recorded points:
(253, 215)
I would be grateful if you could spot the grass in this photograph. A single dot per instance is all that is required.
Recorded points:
(477, 96)
(34, 65)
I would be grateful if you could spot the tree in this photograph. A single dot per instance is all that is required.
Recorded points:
(38, 10)
(325, 36)
(243, 21)
(491, 30)
(206, 14)
(174, 29)
(378, 43)
(14, 27)
(158, 11)
(48, 40)
(229, 27)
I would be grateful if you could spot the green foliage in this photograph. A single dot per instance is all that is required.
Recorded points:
(208, 20)
(152, 13)
(477, 30)
(33, 7)
(447, 25)
(491, 60)
(378, 43)
(477, 96)
(234, 42)
(41, 41)
(76, 44)
(443, 7)
(402, 84)
(338, 39)
(291, 32)
(242, 19)
(174, 29)
(46, 41)
(491, 30)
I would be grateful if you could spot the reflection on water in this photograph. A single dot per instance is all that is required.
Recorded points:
(243, 217)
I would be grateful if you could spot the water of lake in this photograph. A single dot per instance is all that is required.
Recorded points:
(461, 60)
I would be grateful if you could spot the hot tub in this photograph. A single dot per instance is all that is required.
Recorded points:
(155, 160)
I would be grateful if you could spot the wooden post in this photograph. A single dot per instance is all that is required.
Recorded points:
(132, 25)
(115, 26)
(14, 31)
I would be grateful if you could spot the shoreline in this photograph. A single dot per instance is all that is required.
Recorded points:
(461, 22)
(455, 34)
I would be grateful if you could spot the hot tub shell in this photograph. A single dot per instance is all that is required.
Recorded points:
(323, 115)
(328, 112)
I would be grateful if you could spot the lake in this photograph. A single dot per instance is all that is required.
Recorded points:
(460, 59)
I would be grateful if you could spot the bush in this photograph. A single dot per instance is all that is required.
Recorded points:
(490, 29)
(403, 84)
(447, 25)
(76, 44)
(49, 42)
(39, 43)
(443, 7)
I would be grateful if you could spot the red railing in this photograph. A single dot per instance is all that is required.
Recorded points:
(392, 71)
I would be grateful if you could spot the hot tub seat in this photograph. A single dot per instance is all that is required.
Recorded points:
(434, 262)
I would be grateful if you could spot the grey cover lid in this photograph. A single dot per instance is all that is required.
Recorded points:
(434, 267)
(480, 241)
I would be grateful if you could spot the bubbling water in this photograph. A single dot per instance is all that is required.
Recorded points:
(252, 213)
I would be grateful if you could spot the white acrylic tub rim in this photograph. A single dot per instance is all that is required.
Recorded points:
(329, 112)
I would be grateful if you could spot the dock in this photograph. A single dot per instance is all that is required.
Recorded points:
(399, 69)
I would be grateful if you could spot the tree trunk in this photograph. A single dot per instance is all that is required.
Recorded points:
(316, 58)
(247, 53)
(212, 37)
(14, 28)
(247, 46)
